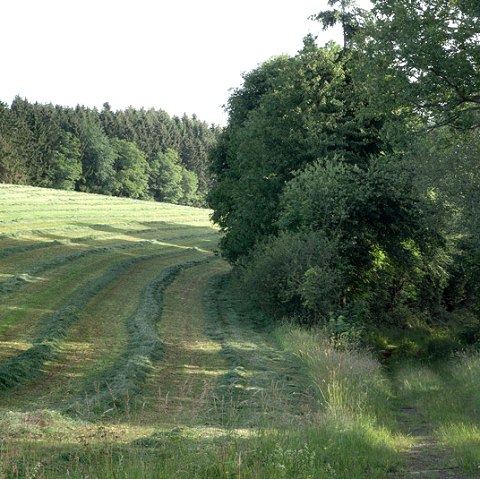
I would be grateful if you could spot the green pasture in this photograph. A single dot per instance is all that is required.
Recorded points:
(127, 350)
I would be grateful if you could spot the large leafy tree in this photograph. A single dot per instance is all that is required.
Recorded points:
(131, 167)
(289, 112)
(421, 60)
(420, 67)
(344, 13)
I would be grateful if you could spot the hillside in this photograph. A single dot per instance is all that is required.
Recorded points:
(126, 350)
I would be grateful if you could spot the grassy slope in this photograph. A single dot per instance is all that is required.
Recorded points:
(152, 365)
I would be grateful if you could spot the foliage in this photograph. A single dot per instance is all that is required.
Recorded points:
(449, 168)
(421, 59)
(376, 220)
(348, 16)
(14, 148)
(190, 194)
(83, 149)
(170, 181)
(372, 149)
(66, 163)
(295, 273)
(131, 169)
(289, 113)
(98, 156)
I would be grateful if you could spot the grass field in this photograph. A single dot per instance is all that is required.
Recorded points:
(128, 351)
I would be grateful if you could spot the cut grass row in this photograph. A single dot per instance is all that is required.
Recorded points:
(15, 250)
(26, 297)
(53, 328)
(13, 258)
(330, 440)
(117, 387)
(182, 389)
(49, 278)
(67, 273)
(94, 342)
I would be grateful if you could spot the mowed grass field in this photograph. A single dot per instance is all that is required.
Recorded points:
(128, 351)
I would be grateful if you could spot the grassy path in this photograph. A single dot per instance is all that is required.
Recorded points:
(218, 370)
(438, 409)
(181, 389)
(427, 458)
(263, 381)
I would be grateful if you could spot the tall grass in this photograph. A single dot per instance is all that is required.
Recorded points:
(348, 382)
(447, 395)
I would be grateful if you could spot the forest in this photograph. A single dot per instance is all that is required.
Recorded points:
(132, 153)
(348, 177)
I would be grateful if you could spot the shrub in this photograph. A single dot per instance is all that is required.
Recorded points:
(295, 273)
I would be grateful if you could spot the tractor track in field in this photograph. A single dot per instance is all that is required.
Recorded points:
(218, 370)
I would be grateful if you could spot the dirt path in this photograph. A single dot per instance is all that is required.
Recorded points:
(426, 459)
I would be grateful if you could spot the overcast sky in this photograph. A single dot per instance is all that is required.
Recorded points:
(181, 56)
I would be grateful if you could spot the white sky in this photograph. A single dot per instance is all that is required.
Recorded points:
(176, 55)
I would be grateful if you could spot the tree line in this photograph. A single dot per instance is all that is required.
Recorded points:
(348, 179)
(135, 153)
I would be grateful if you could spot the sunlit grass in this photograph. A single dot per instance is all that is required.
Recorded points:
(447, 395)
(168, 377)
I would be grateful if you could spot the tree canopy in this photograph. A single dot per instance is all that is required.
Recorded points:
(346, 176)
(107, 152)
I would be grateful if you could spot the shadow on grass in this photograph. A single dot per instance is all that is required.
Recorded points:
(158, 230)
(318, 451)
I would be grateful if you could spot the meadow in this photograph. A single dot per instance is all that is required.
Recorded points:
(127, 350)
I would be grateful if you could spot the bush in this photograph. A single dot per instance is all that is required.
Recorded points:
(295, 273)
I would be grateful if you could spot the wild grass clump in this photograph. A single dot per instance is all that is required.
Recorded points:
(457, 410)
(348, 381)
